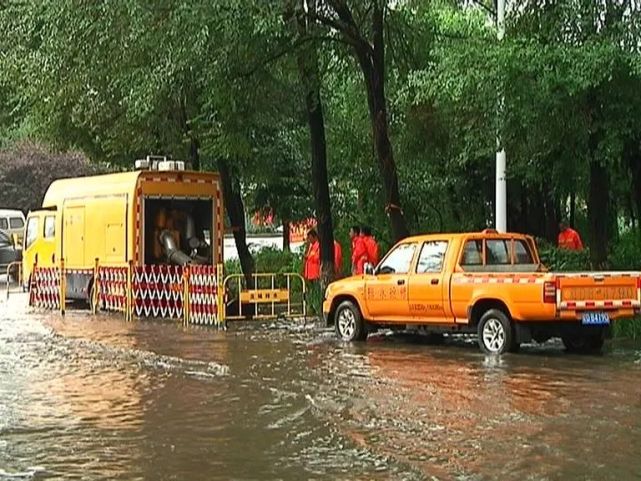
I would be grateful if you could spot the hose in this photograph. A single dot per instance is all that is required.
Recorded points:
(174, 255)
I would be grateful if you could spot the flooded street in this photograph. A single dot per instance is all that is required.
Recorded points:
(97, 398)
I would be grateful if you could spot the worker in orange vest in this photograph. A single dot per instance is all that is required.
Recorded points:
(359, 252)
(371, 246)
(338, 259)
(312, 257)
(569, 238)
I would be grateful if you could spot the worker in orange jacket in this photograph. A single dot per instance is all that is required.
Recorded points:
(359, 251)
(338, 258)
(569, 238)
(371, 246)
(311, 266)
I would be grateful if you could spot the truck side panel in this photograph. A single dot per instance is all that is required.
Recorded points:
(521, 294)
(95, 228)
(73, 236)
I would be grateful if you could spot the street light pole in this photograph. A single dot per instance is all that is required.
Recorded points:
(501, 184)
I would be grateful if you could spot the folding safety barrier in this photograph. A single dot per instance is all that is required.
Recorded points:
(195, 294)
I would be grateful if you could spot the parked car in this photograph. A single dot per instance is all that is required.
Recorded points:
(12, 222)
(486, 283)
(9, 253)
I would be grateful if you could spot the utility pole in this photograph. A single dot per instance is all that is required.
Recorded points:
(501, 183)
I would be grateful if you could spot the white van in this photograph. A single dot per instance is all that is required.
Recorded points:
(12, 222)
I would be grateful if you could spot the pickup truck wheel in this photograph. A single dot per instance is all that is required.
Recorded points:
(495, 333)
(349, 323)
(583, 344)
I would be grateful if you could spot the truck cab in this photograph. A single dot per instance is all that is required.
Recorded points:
(12, 223)
(39, 247)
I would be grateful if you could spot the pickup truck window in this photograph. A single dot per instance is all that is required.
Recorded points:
(498, 252)
(473, 253)
(398, 261)
(4, 225)
(497, 255)
(522, 254)
(431, 258)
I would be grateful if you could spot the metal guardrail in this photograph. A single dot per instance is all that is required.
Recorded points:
(273, 295)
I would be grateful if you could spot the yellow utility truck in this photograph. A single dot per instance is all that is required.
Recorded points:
(158, 214)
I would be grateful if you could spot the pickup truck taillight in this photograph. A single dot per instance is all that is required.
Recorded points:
(549, 292)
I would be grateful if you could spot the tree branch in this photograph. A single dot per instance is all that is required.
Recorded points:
(273, 57)
(481, 4)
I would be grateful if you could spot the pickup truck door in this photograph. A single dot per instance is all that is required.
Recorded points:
(428, 286)
(386, 291)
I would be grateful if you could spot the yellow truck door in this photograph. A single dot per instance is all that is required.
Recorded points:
(73, 231)
(39, 241)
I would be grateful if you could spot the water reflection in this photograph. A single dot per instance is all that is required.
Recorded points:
(98, 398)
(451, 412)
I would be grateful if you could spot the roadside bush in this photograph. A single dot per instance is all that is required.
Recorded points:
(270, 259)
(627, 329)
(561, 260)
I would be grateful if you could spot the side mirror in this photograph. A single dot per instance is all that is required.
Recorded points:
(368, 269)
(16, 241)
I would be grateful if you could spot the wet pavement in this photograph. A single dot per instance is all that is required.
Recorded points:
(98, 398)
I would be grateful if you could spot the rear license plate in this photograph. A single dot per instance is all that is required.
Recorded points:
(595, 319)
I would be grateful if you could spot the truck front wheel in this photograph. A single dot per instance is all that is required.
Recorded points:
(495, 333)
(349, 322)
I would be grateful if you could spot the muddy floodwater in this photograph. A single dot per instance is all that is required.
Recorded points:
(98, 398)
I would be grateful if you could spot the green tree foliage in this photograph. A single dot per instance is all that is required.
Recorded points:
(217, 83)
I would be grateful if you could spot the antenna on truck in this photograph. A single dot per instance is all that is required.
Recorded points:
(159, 162)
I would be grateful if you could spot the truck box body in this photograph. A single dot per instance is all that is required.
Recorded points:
(111, 219)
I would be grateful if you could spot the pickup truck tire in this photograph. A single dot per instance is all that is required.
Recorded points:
(586, 344)
(495, 333)
(349, 322)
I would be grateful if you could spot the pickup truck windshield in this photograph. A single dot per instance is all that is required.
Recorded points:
(399, 260)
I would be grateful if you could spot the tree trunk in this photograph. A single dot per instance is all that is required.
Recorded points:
(551, 214)
(193, 151)
(572, 208)
(286, 231)
(633, 152)
(371, 59)
(310, 80)
(523, 224)
(599, 213)
(236, 212)
(194, 144)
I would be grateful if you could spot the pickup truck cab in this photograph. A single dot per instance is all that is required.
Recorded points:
(486, 283)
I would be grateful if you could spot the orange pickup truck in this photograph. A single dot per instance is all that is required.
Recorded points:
(486, 283)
